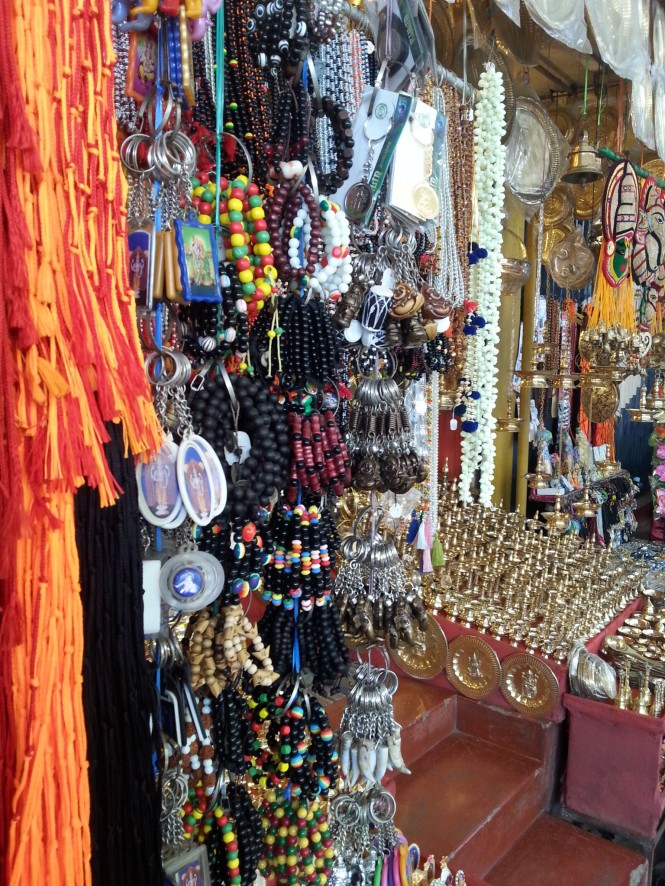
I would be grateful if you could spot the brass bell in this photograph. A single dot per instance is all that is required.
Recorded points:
(584, 164)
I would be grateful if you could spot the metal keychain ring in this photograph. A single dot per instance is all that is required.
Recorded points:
(129, 153)
(385, 798)
(173, 155)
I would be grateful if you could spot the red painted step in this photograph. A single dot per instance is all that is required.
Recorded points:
(554, 853)
(470, 800)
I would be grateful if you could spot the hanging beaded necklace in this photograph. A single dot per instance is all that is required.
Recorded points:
(247, 100)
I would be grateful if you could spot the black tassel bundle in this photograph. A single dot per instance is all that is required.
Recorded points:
(118, 694)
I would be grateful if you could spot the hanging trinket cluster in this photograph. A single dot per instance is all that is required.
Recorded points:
(294, 222)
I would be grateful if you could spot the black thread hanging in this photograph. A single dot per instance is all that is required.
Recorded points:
(118, 697)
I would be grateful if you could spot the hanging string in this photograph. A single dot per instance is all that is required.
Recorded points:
(219, 103)
(46, 806)
(601, 106)
(620, 106)
(586, 86)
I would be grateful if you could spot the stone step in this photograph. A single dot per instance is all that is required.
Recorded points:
(469, 800)
(552, 852)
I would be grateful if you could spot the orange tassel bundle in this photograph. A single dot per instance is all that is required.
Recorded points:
(69, 361)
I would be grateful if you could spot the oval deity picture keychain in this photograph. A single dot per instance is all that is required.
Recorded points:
(159, 496)
(216, 472)
(195, 481)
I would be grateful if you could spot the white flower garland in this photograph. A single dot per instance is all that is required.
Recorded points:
(478, 448)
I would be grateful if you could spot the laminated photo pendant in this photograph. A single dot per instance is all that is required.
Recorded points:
(195, 481)
(157, 481)
(358, 201)
(178, 519)
(191, 580)
(216, 470)
(426, 201)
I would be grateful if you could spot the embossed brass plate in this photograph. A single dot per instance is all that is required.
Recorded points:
(473, 667)
(427, 657)
(529, 685)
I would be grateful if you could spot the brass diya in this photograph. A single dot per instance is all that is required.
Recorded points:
(586, 508)
(641, 413)
(556, 520)
(537, 480)
(510, 423)
(566, 381)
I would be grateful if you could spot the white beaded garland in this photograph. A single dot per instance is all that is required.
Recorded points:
(478, 448)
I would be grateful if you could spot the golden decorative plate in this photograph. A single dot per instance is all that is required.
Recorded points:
(529, 685)
(427, 658)
(600, 403)
(551, 237)
(473, 667)
(656, 167)
(587, 200)
(558, 209)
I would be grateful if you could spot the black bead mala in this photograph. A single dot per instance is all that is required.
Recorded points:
(203, 110)
(310, 348)
(438, 354)
(200, 323)
(231, 732)
(289, 139)
(234, 846)
(232, 739)
(244, 548)
(341, 129)
(280, 28)
(253, 482)
(234, 313)
(297, 588)
(247, 103)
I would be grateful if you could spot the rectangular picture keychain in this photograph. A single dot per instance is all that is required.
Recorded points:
(140, 245)
(197, 261)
